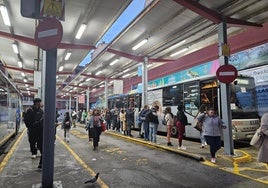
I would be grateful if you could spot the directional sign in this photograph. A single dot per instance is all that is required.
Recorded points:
(226, 73)
(48, 34)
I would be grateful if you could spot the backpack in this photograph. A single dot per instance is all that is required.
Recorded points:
(148, 116)
(164, 121)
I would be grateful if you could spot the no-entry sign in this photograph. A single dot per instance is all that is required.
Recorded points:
(226, 73)
(48, 33)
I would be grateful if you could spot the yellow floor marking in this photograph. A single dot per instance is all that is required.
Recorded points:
(11, 151)
(82, 163)
(235, 169)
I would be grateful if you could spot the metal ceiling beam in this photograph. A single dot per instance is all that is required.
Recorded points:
(19, 69)
(126, 55)
(212, 15)
(136, 57)
(32, 42)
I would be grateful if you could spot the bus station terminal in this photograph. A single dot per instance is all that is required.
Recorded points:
(98, 64)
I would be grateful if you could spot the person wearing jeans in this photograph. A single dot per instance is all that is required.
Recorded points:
(153, 123)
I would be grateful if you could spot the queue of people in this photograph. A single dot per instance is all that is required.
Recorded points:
(148, 119)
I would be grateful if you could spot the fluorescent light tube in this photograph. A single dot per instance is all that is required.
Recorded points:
(15, 48)
(126, 75)
(5, 16)
(179, 52)
(20, 64)
(98, 72)
(114, 62)
(60, 68)
(80, 31)
(140, 44)
(68, 55)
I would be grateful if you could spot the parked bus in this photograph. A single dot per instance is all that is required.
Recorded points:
(10, 109)
(192, 94)
(205, 90)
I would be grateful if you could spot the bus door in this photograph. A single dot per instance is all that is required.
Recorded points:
(191, 100)
(208, 94)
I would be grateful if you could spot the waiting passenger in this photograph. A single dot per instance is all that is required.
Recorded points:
(95, 128)
(34, 122)
(212, 126)
(169, 123)
(182, 121)
(263, 150)
(123, 121)
(144, 123)
(115, 120)
(108, 118)
(66, 125)
(153, 123)
(130, 119)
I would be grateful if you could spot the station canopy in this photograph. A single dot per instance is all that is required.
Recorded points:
(171, 29)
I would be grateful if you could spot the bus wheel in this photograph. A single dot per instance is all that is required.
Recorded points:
(174, 131)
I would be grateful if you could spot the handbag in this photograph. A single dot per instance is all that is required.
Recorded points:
(67, 125)
(103, 127)
(257, 139)
(198, 125)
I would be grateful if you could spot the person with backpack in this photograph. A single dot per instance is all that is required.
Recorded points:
(95, 127)
(182, 121)
(168, 118)
(152, 117)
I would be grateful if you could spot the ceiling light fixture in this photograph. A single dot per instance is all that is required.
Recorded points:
(5, 16)
(80, 31)
(126, 70)
(88, 79)
(179, 52)
(15, 48)
(20, 64)
(177, 45)
(114, 62)
(68, 55)
(126, 75)
(140, 44)
(60, 68)
(22, 74)
(25, 80)
(98, 72)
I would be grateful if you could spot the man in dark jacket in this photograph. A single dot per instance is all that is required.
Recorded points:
(130, 119)
(34, 122)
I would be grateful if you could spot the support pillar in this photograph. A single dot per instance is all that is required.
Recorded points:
(225, 95)
(144, 81)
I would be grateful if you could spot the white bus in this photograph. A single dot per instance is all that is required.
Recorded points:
(245, 119)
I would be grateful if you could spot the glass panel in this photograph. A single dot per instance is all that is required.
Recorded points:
(191, 97)
(243, 97)
(172, 95)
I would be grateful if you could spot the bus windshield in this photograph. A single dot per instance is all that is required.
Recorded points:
(243, 98)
